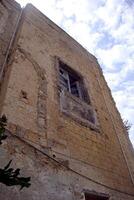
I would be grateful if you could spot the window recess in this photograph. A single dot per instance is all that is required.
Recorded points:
(94, 196)
(74, 99)
(70, 81)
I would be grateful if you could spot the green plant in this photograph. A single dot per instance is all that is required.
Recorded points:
(127, 125)
(9, 176)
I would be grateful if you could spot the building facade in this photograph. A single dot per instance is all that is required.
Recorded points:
(64, 129)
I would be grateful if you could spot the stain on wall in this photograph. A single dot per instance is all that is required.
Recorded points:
(63, 156)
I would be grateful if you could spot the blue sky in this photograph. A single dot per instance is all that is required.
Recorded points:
(106, 29)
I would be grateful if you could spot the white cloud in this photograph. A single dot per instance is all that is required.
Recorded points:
(109, 13)
(109, 57)
(82, 9)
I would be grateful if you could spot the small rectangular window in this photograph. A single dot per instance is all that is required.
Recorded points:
(93, 196)
(70, 81)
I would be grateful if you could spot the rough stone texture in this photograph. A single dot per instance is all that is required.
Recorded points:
(63, 156)
(78, 110)
(9, 14)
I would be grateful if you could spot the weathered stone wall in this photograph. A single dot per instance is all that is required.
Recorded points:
(9, 14)
(63, 156)
(50, 180)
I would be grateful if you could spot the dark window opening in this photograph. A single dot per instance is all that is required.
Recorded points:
(70, 81)
(75, 86)
(91, 196)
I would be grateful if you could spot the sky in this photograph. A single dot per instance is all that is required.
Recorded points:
(106, 29)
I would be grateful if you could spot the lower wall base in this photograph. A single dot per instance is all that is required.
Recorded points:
(49, 180)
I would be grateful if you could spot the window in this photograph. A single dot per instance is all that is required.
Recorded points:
(70, 81)
(94, 196)
(71, 85)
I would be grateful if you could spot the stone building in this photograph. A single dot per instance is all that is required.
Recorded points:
(64, 129)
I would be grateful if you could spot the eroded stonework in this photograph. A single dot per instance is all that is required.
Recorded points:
(9, 15)
(78, 110)
(71, 148)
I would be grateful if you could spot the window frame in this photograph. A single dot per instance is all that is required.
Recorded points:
(79, 81)
(85, 101)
